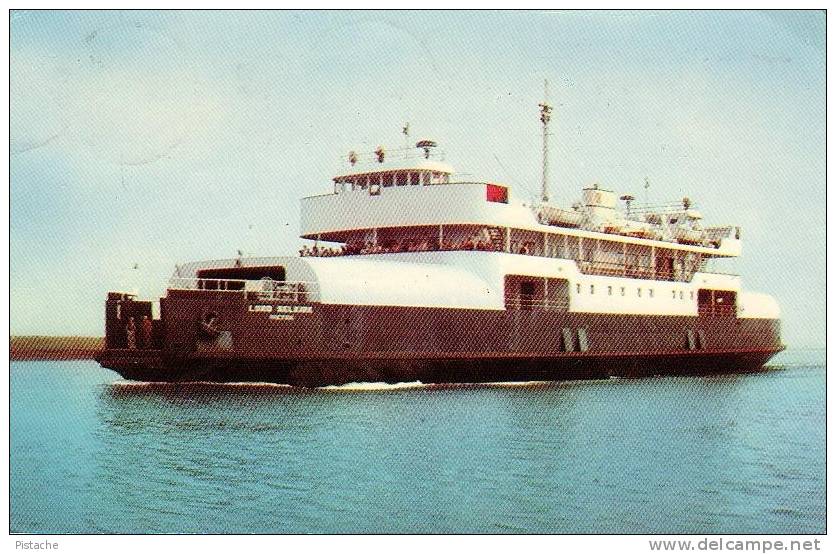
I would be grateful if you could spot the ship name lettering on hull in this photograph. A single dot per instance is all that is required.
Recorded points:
(283, 313)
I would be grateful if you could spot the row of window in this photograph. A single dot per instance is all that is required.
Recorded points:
(398, 178)
(639, 292)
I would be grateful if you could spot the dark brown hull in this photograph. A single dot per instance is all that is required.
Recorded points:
(336, 344)
(320, 371)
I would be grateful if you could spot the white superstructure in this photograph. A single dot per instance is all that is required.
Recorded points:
(477, 280)
(410, 234)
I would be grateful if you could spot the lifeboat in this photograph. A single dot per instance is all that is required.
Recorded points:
(640, 230)
(552, 215)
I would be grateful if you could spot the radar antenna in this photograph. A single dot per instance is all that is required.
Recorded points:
(628, 199)
(545, 117)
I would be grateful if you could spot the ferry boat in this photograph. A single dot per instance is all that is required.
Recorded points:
(416, 275)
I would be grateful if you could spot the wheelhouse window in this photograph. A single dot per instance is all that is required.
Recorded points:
(435, 178)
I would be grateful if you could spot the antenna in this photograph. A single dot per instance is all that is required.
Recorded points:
(545, 117)
(405, 132)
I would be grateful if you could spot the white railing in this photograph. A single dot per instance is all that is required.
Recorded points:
(672, 207)
(393, 155)
(298, 292)
(720, 233)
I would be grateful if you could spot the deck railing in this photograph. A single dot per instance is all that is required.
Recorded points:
(363, 160)
(297, 292)
(614, 269)
(716, 234)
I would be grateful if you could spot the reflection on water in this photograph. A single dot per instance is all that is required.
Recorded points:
(705, 455)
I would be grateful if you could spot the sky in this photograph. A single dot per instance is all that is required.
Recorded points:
(144, 139)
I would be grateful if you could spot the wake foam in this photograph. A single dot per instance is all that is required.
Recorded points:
(123, 387)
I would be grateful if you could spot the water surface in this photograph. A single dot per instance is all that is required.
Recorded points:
(731, 454)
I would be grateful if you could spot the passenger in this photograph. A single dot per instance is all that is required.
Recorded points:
(131, 333)
(147, 332)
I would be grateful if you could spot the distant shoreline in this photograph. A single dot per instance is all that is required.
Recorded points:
(54, 348)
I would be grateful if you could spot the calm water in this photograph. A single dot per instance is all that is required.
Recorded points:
(701, 455)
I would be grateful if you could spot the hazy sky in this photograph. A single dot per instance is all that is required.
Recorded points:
(153, 138)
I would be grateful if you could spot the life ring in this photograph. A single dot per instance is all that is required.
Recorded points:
(207, 325)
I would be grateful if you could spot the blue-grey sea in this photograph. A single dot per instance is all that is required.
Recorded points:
(730, 454)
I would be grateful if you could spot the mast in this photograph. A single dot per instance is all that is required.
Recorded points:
(545, 117)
